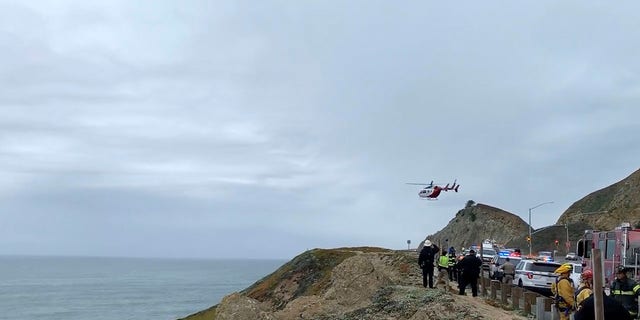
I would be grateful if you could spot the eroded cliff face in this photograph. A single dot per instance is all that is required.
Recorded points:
(606, 208)
(477, 222)
(349, 283)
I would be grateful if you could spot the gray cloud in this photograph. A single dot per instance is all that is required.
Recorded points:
(238, 129)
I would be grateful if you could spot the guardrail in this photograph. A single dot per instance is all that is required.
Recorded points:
(510, 297)
(513, 297)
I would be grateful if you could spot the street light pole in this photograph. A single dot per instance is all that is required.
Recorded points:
(530, 239)
(568, 245)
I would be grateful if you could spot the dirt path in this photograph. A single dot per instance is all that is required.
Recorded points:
(488, 311)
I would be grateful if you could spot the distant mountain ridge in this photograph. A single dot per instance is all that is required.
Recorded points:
(606, 208)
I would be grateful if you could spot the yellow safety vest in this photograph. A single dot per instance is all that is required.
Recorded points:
(443, 262)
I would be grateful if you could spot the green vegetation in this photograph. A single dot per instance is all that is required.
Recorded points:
(311, 271)
(598, 201)
(398, 302)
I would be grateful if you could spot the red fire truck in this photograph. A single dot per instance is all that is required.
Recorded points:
(620, 246)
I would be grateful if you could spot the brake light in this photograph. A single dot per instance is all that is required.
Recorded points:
(529, 275)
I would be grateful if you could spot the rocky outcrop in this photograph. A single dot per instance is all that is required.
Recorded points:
(349, 284)
(606, 208)
(477, 222)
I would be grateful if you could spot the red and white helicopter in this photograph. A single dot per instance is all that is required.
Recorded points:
(432, 191)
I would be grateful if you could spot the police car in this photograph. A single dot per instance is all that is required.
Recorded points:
(499, 259)
(545, 256)
(536, 275)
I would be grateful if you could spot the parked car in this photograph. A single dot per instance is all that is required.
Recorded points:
(536, 275)
(545, 256)
(494, 268)
(487, 256)
(571, 256)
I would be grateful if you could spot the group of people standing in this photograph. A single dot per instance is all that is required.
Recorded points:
(621, 304)
(466, 270)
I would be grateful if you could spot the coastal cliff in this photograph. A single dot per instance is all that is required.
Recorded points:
(349, 283)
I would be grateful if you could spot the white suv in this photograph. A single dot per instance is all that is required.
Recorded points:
(536, 275)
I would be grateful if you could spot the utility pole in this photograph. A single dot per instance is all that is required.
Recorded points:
(598, 286)
(566, 225)
(531, 239)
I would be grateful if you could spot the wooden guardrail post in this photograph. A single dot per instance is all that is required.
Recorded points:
(504, 292)
(516, 294)
(495, 284)
(485, 285)
(507, 288)
(598, 276)
(547, 304)
(529, 300)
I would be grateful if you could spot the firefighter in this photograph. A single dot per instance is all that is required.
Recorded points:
(453, 274)
(563, 291)
(585, 290)
(625, 291)
(457, 267)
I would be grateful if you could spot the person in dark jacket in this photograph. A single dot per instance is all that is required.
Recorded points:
(453, 273)
(625, 291)
(612, 310)
(470, 268)
(425, 260)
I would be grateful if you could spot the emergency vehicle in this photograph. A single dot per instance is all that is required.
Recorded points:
(620, 246)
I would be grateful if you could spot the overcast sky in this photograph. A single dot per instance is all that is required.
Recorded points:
(221, 129)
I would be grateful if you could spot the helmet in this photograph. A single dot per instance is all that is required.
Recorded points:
(621, 269)
(586, 275)
(567, 267)
(427, 243)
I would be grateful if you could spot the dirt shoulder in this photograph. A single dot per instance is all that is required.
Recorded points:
(487, 310)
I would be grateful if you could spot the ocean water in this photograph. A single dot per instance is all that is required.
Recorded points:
(81, 288)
